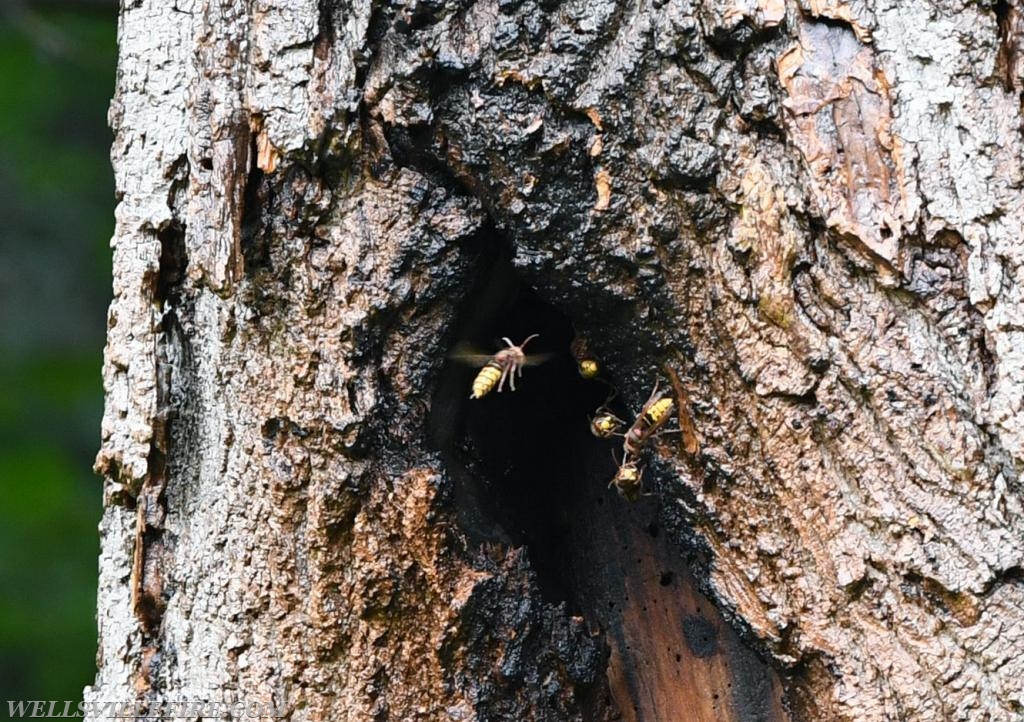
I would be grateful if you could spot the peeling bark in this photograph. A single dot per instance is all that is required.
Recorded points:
(810, 210)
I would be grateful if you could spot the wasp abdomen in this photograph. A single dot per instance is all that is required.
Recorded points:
(486, 380)
(658, 413)
(589, 368)
(653, 416)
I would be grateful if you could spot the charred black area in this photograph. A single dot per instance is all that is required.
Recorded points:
(1006, 52)
(529, 473)
(700, 635)
(534, 447)
(528, 453)
(255, 199)
(173, 264)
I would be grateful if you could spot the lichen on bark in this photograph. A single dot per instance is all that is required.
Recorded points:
(810, 210)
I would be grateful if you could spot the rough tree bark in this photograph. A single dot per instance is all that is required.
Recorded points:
(810, 209)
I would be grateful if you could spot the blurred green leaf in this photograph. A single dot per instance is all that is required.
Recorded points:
(56, 203)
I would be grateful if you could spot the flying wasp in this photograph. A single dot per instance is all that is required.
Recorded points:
(501, 366)
(652, 417)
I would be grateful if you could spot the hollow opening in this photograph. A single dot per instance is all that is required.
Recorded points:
(529, 473)
(528, 453)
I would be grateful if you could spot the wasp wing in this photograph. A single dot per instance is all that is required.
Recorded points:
(689, 442)
(467, 354)
(535, 359)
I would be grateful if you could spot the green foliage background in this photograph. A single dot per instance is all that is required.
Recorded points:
(56, 219)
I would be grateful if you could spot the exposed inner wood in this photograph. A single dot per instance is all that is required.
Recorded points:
(813, 213)
(671, 653)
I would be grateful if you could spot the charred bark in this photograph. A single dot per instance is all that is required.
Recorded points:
(810, 211)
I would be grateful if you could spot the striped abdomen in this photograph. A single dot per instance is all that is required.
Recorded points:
(658, 413)
(649, 421)
(487, 379)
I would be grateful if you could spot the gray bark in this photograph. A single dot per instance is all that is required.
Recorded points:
(811, 210)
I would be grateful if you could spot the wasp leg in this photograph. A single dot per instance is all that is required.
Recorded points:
(501, 382)
(512, 376)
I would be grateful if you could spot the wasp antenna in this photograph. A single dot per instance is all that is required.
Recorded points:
(528, 339)
(507, 340)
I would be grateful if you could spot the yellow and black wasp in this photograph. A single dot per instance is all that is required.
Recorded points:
(586, 362)
(652, 417)
(605, 424)
(628, 480)
(502, 366)
(656, 412)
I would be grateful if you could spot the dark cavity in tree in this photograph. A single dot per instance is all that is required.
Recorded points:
(523, 459)
(528, 472)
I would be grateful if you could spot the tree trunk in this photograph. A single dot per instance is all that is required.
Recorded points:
(808, 211)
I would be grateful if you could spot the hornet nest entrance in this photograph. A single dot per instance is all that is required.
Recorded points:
(529, 473)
